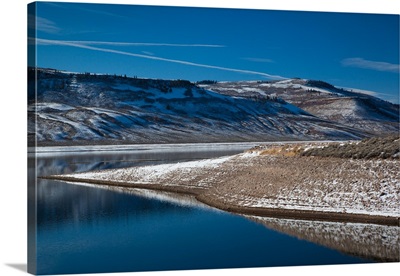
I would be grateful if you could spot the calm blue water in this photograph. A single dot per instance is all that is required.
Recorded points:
(85, 229)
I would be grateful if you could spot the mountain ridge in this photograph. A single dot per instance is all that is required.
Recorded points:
(72, 108)
(354, 109)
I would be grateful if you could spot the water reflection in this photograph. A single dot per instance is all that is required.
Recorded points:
(179, 199)
(380, 243)
(90, 229)
(375, 242)
(53, 198)
(68, 162)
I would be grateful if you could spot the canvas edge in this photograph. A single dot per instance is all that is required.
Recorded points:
(31, 162)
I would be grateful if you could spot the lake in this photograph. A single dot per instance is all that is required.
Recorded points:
(90, 229)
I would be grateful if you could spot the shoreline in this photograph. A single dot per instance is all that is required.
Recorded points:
(274, 180)
(302, 214)
(86, 143)
(146, 146)
(137, 147)
(244, 210)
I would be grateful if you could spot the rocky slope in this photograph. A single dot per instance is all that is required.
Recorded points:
(353, 109)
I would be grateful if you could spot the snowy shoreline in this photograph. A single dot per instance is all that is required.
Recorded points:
(150, 146)
(272, 185)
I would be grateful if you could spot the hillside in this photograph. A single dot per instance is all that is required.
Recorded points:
(84, 108)
(355, 110)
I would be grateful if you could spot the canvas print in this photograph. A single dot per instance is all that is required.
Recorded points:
(178, 138)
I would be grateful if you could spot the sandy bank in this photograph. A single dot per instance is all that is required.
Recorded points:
(271, 185)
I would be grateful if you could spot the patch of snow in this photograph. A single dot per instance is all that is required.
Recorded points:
(321, 90)
(285, 81)
(249, 154)
(290, 204)
(44, 105)
(153, 174)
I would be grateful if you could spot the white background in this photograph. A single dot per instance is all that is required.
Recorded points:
(13, 93)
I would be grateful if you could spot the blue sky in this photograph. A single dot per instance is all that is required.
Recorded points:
(346, 49)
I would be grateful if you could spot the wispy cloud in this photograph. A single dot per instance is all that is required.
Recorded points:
(116, 43)
(373, 65)
(83, 46)
(148, 53)
(262, 60)
(385, 96)
(363, 91)
(43, 24)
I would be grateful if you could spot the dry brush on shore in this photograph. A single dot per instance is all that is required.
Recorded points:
(387, 147)
(383, 148)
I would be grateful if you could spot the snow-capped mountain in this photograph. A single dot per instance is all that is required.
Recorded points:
(88, 108)
(345, 106)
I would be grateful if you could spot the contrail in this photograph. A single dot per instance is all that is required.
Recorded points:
(84, 42)
(73, 44)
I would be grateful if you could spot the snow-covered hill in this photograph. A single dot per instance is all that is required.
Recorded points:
(88, 108)
(353, 109)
